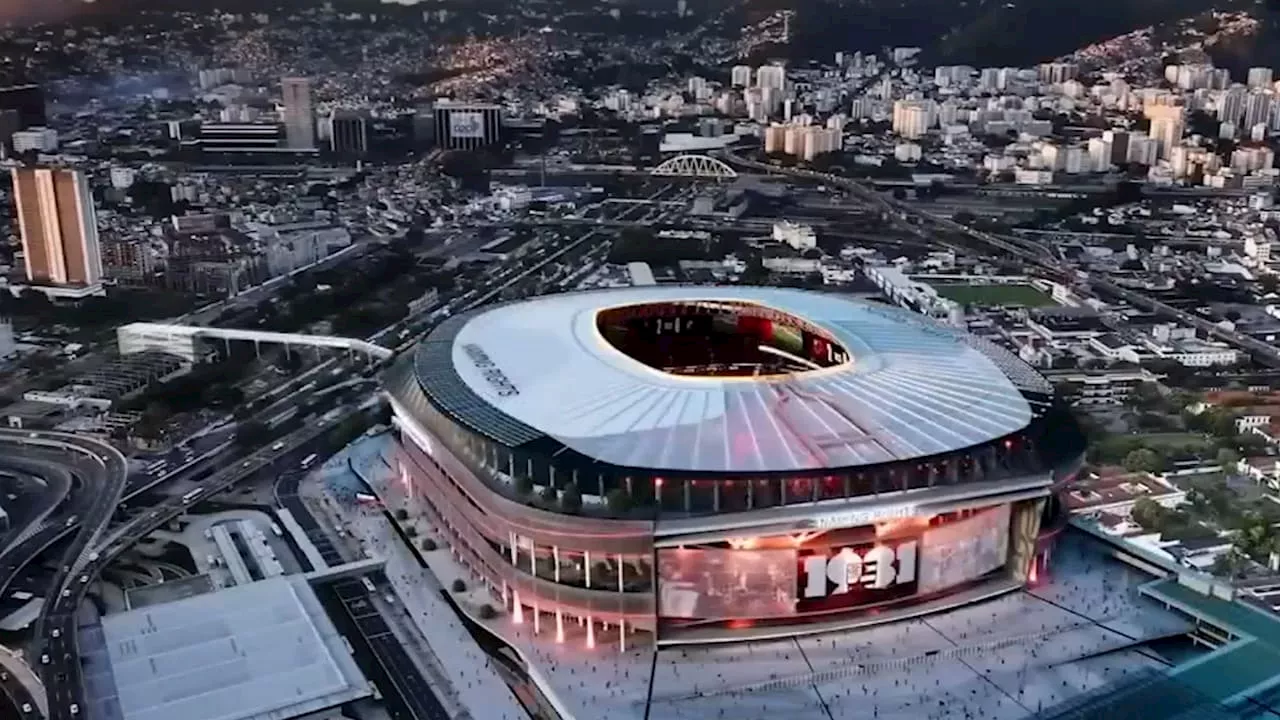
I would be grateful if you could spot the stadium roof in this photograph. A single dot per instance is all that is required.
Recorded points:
(261, 650)
(913, 389)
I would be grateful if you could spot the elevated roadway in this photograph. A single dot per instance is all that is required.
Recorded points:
(101, 473)
(62, 674)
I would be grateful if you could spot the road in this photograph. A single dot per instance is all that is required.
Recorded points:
(403, 688)
(61, 675)
(101, 472)
(25, 542)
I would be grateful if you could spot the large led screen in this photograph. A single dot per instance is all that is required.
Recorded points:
(964, 550)
(850, 576)
(714, 583)
(466, 124)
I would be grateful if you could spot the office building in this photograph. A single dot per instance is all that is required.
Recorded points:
(467, 126)
(348, 133)
(36, 139)
(28, 100)
(236, 138)
(59, 231)
(299, 116)
(740, 76)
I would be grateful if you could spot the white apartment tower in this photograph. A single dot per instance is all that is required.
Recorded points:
(299, 114)
(1259, 77)
(771, 76)
(913, 118)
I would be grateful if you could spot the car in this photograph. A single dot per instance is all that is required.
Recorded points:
(84, 579)
(44, 659)
(56, 633)
(93, 556)
(75, 709)
(66, 592)
(278, 446)
(26, 707)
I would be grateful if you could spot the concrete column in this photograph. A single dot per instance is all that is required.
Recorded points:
(586, 566)
(555, 558)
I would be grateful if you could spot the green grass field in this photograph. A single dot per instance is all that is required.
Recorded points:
(1020, 295)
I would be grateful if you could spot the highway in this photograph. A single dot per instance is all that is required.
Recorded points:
(25, 541)
(403, 688)
(101, 473)
(61, 675)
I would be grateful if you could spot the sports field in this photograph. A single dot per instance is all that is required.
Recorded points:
(989, 295)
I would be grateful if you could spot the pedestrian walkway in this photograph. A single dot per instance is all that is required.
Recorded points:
(468, 668)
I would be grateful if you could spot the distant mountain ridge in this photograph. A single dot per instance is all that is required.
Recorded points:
(979, 32)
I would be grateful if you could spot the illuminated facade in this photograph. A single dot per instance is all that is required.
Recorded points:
(785, 463)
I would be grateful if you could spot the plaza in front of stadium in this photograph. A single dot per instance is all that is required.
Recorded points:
(807, 503)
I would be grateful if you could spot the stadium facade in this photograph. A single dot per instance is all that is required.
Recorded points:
(751, 462)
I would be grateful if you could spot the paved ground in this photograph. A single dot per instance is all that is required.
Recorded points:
(468, 676)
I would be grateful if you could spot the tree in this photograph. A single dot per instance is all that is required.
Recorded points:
(1228, 458)
(618, 501)
(487, 612)
(428, 545)
(1149, 514)
(1143, 460)
(458, 585)
(549, 495)
(571, 499)
(251, 433)
(402, 514)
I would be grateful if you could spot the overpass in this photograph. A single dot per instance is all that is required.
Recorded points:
(181, 340)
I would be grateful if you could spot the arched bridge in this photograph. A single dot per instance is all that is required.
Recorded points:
(695, 166)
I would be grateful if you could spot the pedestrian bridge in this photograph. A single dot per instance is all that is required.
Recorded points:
(181, 340)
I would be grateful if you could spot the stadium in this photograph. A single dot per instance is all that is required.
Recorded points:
(684, 465)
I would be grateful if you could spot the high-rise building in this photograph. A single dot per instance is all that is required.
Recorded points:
(1259, 77)
(467, 126)
(299, 116)
(59, 231)
(771, 76)
(1167, 125)
(28, 100)
(913, 118)
(348, 133)
(740, 76)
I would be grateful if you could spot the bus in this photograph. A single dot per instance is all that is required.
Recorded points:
(188, 497)
(275, 529)
(306, 461)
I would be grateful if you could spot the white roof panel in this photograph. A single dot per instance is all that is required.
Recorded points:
(251, 651)
(913, 389)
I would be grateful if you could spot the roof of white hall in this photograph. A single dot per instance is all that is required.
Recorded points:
(913, 389)
(251, 652)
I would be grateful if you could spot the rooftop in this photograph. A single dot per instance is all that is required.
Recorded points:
(261, 651)
(913, 388)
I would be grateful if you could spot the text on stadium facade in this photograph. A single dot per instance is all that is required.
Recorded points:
(492, 375)
(878, 568)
